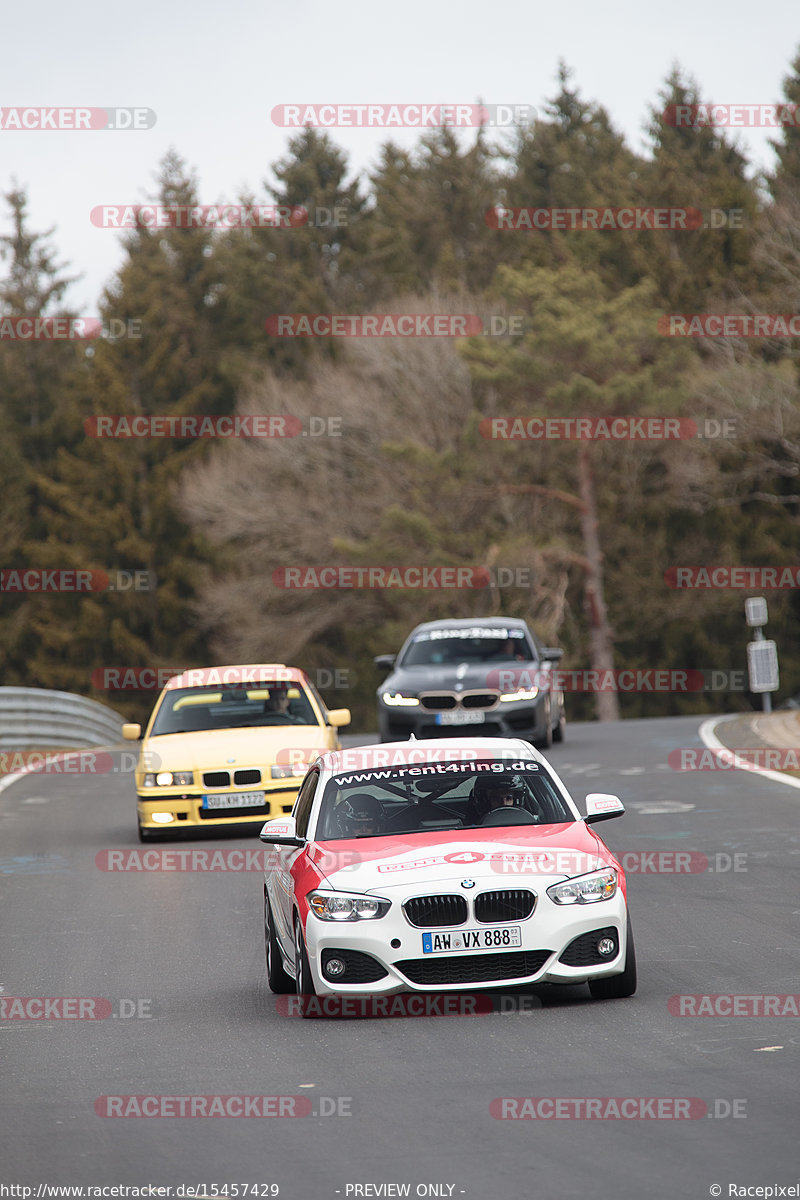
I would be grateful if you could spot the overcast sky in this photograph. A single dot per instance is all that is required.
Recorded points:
(213, 71)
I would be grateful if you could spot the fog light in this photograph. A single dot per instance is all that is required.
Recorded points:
(606, 946)
(162, 818)
(335, 967)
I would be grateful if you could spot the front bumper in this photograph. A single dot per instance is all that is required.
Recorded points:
(185, 808)
(518, 718)
(549, 935)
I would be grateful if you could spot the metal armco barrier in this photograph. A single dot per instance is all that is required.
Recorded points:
(32, 718)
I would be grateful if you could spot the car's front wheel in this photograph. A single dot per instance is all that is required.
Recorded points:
(279, 980)
(545, 742)
(304, 984)
(616, 987)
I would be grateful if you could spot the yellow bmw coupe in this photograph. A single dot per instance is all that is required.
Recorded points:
(229, 746)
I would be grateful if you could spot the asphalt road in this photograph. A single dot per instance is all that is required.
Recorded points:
(409, 1099)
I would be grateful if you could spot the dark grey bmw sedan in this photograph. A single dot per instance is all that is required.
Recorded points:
(473, 676)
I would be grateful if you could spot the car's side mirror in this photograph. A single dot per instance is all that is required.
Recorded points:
(131, 732)
(339, 717)
(281, 831)
(601, 806)
(551, 653)
(385, 661)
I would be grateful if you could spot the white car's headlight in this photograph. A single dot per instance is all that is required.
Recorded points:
(296, 771)
(169, 779)
(520, 694)
(398, 700)
(344, 906)
(585, 889)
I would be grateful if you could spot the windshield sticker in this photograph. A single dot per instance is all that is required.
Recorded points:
(435, 769)
(475, 631)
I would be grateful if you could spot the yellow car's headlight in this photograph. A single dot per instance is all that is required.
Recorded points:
(169, 779)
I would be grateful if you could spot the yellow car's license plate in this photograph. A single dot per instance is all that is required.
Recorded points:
(234, 800)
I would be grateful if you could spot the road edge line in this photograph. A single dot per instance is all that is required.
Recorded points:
(711, 741)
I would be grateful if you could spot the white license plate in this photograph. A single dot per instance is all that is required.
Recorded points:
(504, 938)
(460, 716)
(234, 800)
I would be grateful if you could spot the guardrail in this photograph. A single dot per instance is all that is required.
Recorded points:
(32, 718)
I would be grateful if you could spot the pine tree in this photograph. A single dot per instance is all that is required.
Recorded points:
(307, 262)
(32, 371)
(786, 177)
(695, 166)
(574, 158)
(109, 501)
(428, 227)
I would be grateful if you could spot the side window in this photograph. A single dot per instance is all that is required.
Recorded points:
(305, 798)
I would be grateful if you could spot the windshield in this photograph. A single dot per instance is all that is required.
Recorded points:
(477, 644)
(439, 796)
(188, 710)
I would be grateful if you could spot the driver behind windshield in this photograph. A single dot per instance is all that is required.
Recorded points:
(489, 794)
(361, 815)
(277, 704)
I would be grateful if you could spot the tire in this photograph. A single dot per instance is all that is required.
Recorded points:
(560, 729)
(304, 984)
(278, 978)
(544, 743)
(617, 987)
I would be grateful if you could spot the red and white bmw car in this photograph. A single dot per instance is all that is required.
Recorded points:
(442, 865)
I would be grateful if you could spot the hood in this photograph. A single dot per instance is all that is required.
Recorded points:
(507, 858)
(452, 677)
(249, 747)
